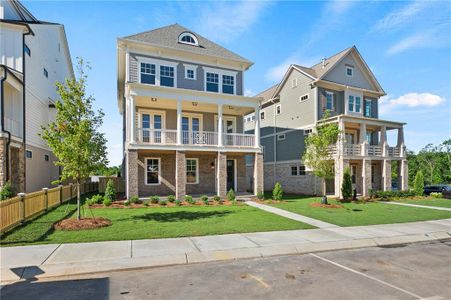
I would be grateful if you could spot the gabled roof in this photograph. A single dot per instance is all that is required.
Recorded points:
(168, 37)
(318, 72)
(267, 94)
(15, 11)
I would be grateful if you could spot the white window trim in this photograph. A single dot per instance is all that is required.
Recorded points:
(225, 118)
(365, 101)
(333, 106)
(194, 115)
(46, 155)
(190, 67)
(262, 115)
(353, 103)
(281, 137)
(306, 134)
(294, 82)
(196, 42)
(355, 93)
(279, 106)
(151, 112)
(291, 170)
(220, 73)
(159, 171)
(352, 71)
(28, 150)
(300, 97)
(197, 169)
(157, 63)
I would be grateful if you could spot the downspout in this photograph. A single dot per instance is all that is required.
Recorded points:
(2, 116)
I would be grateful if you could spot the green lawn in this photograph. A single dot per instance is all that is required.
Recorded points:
(440, 202)
(150, 223)
(355, 214)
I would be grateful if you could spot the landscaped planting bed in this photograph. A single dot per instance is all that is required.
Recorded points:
(428, 201)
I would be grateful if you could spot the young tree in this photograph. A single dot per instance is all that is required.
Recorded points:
(419, 183)
(317, 154)
(346, 188)
(277, 192)
(74, 136)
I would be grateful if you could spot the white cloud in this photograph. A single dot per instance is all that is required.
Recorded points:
(224, 21)
(248, 93)
(418, 40)
(401, 16)
(386, 103)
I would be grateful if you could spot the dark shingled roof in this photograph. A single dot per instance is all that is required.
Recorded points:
(168, 37)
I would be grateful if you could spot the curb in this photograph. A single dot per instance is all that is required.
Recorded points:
(127, 264)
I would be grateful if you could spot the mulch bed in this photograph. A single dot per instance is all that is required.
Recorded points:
(120, 204)
(317, 204)
(82, 224)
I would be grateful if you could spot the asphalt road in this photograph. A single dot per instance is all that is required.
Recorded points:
(412, 271)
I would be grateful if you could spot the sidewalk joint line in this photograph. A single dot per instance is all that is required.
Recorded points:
(49, 255)
(131, 248)
(367, 276)
(194, 244)
(243, 235)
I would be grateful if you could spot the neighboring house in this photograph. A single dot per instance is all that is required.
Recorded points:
(181, 98)
(34, 55)
(344, 85)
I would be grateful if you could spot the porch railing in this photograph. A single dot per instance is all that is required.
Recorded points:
(194, 138)
(374, 150)
(393, 151)
(352, 149)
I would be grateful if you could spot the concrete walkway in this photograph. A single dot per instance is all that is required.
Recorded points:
(417, 205)
(43, 261)
(291, 215)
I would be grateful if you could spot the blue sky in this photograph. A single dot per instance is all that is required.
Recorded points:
(406, 44)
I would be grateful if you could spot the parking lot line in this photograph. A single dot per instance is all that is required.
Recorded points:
(367, 276)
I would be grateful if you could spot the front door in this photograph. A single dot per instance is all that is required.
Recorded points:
(152, 125)
(230, 174)
(190, 128)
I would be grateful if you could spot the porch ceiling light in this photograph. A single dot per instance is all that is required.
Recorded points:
(194, 103)
(230, 107)
(212, 165)
(153, 99)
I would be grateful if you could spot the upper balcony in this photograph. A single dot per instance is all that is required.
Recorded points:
(366, 137)
(170, 118)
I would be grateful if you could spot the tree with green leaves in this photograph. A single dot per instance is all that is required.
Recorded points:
(74, 136)
(317, 155)
(419, 183)
(346, 187)
(277, 192)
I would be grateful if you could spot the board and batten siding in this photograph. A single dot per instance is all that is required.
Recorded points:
(182, 82)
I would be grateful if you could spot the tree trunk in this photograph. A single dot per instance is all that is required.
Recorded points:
(323, 183)
(78, 201)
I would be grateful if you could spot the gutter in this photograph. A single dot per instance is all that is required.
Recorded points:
(24, 129)
(2, 121)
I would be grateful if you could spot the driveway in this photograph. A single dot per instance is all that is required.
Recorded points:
(411, 271)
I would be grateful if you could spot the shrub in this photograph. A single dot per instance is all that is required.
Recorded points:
(162, 202)
(418, 184)
(436, 195)
(146, 203)
(6, 191)
(171, 198)
(178, 202)
(234, 201)
(217, 198)
(277, 192)
(346, 187)
(127, 202)
(260, 196)
(96, 199)
(231, 195)
(387, 195)
(154, 199)
(190, 199)
(134, 199)
(204, 199)
(110, 191)
(107, 201)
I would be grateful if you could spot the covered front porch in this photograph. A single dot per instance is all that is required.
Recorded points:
(180, 173)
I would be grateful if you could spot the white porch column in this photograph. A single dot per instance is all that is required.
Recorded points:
(383, 141)
(363, 140)
(220, 130)
(132, 120)
(179, 122)
(401, 142)
(341, 137)
(257, 127)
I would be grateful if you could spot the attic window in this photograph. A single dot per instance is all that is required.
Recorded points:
(349, 71)
(188, 38)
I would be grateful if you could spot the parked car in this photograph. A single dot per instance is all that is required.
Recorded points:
(446, 192)
(434, 189)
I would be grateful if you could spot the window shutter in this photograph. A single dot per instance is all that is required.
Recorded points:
(323, 101)
(335, 102)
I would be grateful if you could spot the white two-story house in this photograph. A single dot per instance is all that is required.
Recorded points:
(181, 98)
(344, 85)
(34, 55)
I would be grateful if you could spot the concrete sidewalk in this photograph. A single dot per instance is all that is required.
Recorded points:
(42, 261)
(291, 215)
(417, 205)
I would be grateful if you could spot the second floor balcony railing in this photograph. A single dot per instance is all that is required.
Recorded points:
(373, 150)
(194, 138)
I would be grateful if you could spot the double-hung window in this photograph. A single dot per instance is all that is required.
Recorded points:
(351, 103)
(148, 73)
(357, 104)
(228, 83)
(192, 171)
(166, 76)
(212, 82)
(329, 101)
(152, 171)
(301, 170)
(298, 170)
(368, 108)
(294, 170)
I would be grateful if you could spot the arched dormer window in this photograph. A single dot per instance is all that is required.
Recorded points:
(188, 38)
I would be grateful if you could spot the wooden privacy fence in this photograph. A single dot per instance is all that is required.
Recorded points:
(17, 210)
(119, 184)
